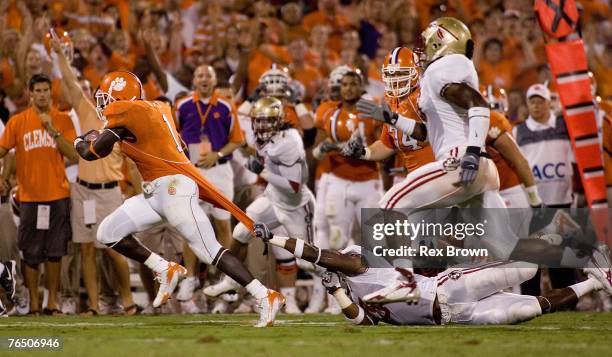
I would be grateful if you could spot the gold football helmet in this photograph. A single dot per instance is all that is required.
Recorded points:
(267, 117)
(445, 36)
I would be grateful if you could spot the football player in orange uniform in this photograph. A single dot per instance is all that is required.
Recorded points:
(147, 134)
(348, 178)
(401, 78)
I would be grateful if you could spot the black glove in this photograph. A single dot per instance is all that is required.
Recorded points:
(257, 93)
(328, 146)
(331, 281)
(255, 165)
(354, 148)
(382, 113)
(469, 165)
(262, 232)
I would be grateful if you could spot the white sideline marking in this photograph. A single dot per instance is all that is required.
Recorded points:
(192, 322)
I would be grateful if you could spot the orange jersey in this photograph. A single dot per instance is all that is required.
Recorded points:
(41, 174)
(323, 110)
(497, 127)
(291, 116)
(413, 153)
(339, 124)
(157, 148)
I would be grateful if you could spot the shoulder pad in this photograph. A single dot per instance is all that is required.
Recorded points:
(287, 148)
(117, 108)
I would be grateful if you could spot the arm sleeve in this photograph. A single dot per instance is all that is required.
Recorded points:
(452, 69)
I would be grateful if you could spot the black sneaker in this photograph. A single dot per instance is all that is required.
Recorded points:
(7, 278)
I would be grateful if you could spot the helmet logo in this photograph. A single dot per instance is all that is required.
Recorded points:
(117, 85)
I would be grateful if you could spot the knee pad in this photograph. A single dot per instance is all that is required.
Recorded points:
(337, 239)
(523, 311)
(516, 276)
(114, 228)
(179, 211)
(242, 234)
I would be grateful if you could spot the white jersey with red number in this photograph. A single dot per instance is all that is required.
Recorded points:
(447, 125)
(285, 156)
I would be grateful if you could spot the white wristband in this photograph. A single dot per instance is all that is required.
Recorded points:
(367, 155)
(478, 122)
(245, 108)
(301, 110)
(532, 195)
(299, 248)
(360, 316)
(77, 140)
(405, 124)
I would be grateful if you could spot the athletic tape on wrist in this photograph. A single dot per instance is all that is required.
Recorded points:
(299, 248)
(367, 155)
(301, 110)
(405, 124)
(360, 316)
(478, 118)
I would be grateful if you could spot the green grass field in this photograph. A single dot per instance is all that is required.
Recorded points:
(562, 334)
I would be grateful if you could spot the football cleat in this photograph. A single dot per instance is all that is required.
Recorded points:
(269, 307)
(186, 288)
(168, 279)
(399, 291)
(599, 267)
(225, 285)
(7, 278)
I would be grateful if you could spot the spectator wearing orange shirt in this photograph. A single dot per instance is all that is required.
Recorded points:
(292, 17)
(97, 63)
(319, 55)
(329, 14)
(42, 137)
(303, 72)
(494, 68)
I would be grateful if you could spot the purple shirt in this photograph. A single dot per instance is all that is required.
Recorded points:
(220, 126)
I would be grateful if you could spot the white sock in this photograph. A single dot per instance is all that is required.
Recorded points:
(1, 268)
(289, 292)
(156, 263)
(586, 287)
(257, 289)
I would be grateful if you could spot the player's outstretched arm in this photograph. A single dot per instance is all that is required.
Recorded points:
(94, 145)
(329, 259)
(353, 312)
(371, 110)
(355, 149)
(508, 148)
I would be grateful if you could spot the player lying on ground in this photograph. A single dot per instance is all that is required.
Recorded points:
(146, 133)
(467, 296)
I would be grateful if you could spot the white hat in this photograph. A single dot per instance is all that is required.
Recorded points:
(539, 90)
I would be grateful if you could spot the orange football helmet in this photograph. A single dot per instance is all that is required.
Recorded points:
(65, 41)
(114, 86)
(400, 72)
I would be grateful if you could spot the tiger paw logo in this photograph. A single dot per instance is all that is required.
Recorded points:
(494, 132)
(118, 84)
